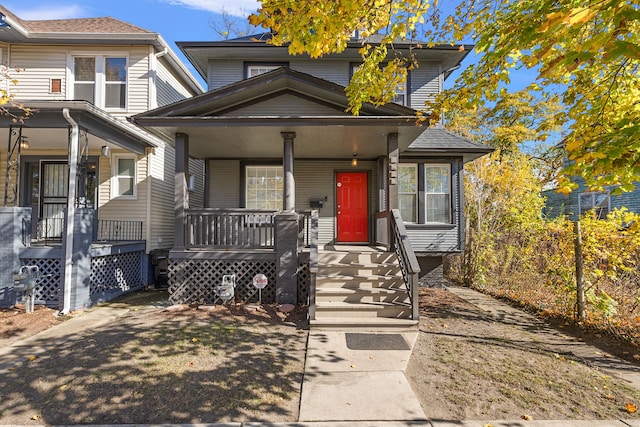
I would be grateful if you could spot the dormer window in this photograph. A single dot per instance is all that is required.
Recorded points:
(255, 69)
(100, 79)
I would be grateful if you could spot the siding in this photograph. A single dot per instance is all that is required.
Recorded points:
(314, 179)
(196, 196)
(162, 176)
(169, 89)
(114, 209)
(425, 84)
(39, 64)
(284, 105)
(224, 183)
(222, 73)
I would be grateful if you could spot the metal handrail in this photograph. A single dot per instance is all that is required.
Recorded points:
(408, 261)
(109, 230)
(313, 262)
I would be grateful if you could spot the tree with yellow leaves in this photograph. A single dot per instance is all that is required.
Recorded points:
(588, 53)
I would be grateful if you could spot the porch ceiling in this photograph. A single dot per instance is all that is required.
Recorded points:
(314, 141)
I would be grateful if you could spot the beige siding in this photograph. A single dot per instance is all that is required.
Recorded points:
(39, 64)
(169, 89)
(123, 209)
(162, 176)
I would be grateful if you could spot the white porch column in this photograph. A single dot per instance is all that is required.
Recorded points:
(74, 143)
(289, 199)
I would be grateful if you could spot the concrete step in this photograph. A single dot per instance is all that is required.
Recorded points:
(349, 258)
(358, 295)
(364, 324)
(350, 282)
(382, 269)
(362, 310)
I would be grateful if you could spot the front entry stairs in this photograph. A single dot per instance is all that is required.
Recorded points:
(361, 287)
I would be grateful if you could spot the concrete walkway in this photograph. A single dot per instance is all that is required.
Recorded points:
(356, 379)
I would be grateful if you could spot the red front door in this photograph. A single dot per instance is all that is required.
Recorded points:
(352, 206)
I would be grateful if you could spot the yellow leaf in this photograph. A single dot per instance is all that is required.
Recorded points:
(582, 15)
(527, 417)
(194, 339)
(631, 408)
(63, 387)
(32, 358)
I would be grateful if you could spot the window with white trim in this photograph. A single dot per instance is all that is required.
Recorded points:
(437, 193)
(264, 187)
(123, 182)
(256, 70)
(100, 79)
(401, 90)
(408, 191)
(600, 202)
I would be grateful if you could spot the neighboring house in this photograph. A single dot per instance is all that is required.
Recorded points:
(581, 201)
(87, 196)
(289, 171)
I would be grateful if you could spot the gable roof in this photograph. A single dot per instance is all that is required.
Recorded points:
(221, 103)
(105, 24)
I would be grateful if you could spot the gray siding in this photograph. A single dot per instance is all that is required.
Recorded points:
(162, 177)
(224, 183)
(425, 84)
(169, 88)
(222, 73)
(284, 105)
(314, 179)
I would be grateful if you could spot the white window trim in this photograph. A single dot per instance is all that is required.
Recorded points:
(114, 177)
(267, 67)
(593, 195)
(246, 181)
(416, 193)
(426, 194)
(100, 80)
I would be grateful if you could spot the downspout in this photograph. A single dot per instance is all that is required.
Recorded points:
(71, 210)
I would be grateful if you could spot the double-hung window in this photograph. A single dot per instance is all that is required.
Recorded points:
(424, 192)
(100, 79)
(408, 191)
(437, 193)
(123, 184)
(253, 70)
(599, 202)
(264, 187)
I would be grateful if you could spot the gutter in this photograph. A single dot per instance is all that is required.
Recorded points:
(71, 210)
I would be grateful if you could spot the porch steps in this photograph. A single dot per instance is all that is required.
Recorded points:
(361, 288)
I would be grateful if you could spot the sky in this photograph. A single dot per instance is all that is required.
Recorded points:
(174, 20)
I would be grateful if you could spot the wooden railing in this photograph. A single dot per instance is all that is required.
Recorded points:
(229, 228)
(407, 258)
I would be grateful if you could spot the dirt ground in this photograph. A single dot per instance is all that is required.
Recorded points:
(467, 365)
(155, 366)
(237, 364)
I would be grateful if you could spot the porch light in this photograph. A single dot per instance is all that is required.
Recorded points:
(354, 160)
(105, 151)
(24, 143)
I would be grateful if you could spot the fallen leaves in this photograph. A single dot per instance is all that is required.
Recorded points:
(32, 358)
(631, 408)
(526, 417)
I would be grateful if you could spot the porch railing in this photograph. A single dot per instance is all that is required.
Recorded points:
(230, 228)
(305, 220)
(407, 258)
(116, 231)
(313, 261)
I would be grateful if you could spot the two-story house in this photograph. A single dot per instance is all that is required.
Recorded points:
(287, 169)
(87, 196)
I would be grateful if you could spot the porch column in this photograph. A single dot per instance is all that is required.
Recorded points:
(289, 198)
(392, 173)
(181, 197)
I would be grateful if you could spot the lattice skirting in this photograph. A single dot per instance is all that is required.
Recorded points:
(48, 287)
(113, 275)
(193, 281)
